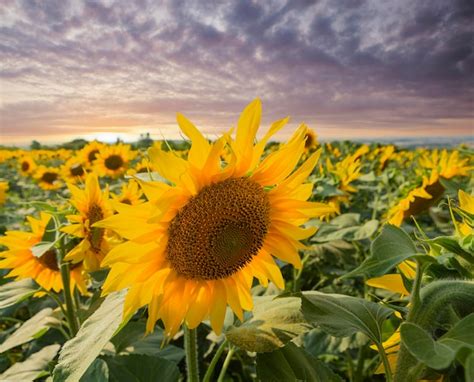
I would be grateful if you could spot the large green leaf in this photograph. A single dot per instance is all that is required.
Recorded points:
(292, 363)
(441, 353)
(141, 368)
(32, 367)
(345, 227)
(274, 323)
(33, 328)
(79, 352)
(388, 250)
(13, 292)
(132, 340)
(98, 371)
(342, 316)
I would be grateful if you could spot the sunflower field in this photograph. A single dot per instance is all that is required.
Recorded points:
(237, 259)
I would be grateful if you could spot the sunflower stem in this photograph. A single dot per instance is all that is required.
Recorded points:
(230, 353)
(386, 364)
(215, 359)
(66, 279)
(191, 348)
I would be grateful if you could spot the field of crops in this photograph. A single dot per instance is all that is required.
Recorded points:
(239, 259)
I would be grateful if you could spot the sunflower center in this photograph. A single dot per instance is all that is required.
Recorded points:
(25, 166)
(48, 260)
(420, 205)
(76, 170)
(49, 177)
(114, 162)
(95, 234)
(219, 230)
(92, 155)
(309, 142)
(126, 201)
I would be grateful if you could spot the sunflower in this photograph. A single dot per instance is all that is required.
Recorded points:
(23, 264)
(141, 167)
(27, 165)
(466, 204)
(420, 199)
(90, 151)
(48, 177)
(198, 243)
(311, 141)
(92, 205)
(73, 170)
(130, 194)
(3, 192)
(113, 160)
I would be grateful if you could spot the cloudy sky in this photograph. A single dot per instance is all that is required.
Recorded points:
(347, 68)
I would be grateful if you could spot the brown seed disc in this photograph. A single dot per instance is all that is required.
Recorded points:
(95, 234)
(25, 166)
(76, 170)
(219, 230)
(92, 155)
(420, 205)
(48, 259)
(49, 177)
(114, 162)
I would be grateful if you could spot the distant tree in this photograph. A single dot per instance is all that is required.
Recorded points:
(144, 142)
(35, 145)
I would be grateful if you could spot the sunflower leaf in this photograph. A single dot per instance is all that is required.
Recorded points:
(33, 367)
(15, 292)
(439, 354)
(79, 352)
(292, 363)
(31, 329)
(342, 316)
(389, 249)
(275, 322)
(141, 368)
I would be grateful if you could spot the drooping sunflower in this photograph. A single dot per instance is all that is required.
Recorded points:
(44, 270)
(113, 160)
(92, 206)
(421, 198)
(48, 178)
(27, 165)
(90, 151)
(74, 170)
(130, 194)
(198, 243)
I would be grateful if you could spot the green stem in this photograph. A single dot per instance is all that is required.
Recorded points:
(386, 364)
(66, 279)
(190, 346)
(230, 353)
(215, 359)
(415, 291)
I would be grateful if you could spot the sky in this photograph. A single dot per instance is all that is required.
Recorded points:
(348, 69)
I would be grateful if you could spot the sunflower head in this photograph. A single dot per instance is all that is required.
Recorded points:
(214, 226)
(44, 269)
(90, 152)
(92, 205)
(74, 170)
(446, 164)
(311, 140)
(27, 165)
(130, 194)
(48, 178)
(3, 192)
(113, 160)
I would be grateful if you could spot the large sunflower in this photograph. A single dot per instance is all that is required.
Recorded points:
(196, 246)
(90, 151)
(23, 264)
(113, 160)
(92, 205)
(48, 178)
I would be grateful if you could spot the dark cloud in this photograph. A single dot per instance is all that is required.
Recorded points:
(333, 63)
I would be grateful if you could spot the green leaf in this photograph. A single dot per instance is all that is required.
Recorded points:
(388, 250)
(32, 367)
(342, 316)
(345, 227)
(274, 323)
(31, 329)
(98, 371)
(132, 340)
(79, 352)
(15, 292)
(438, 354)
(451, 244)
(292, 363)
(141, 368)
